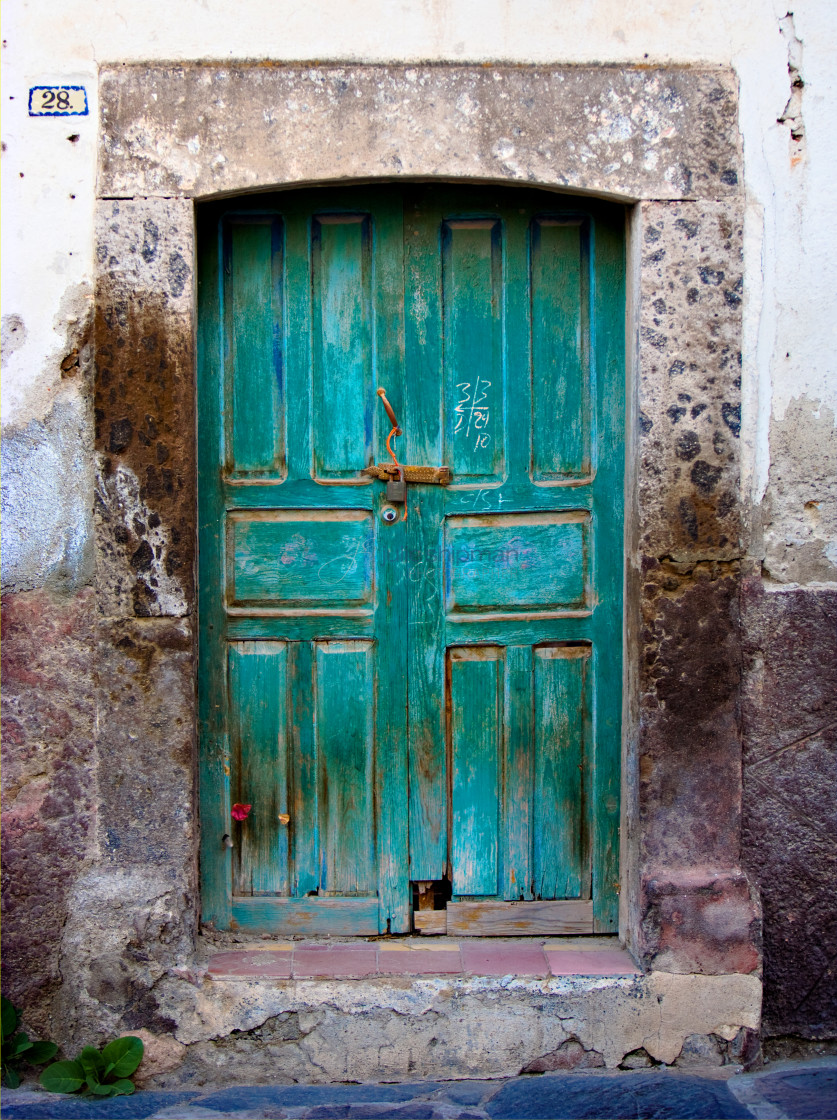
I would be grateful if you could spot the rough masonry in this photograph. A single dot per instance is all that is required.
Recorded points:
(665, 141)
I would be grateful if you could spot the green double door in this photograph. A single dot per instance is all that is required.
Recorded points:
(434, 699)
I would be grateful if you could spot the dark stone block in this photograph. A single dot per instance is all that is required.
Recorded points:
(690, 753)
(790, 792)
(146, 742)
(468, 1092)
(57, 1107)
(144, 409)
(612, 1098)
(805, 1094)
(301, 1096)
(700, 921)
(48, 811)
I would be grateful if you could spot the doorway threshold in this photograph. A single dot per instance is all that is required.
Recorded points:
(358, 959)
(401, 1008)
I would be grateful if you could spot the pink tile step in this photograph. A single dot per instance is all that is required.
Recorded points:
(590, 962)
(269, 964)
(359, 959)
(510, 958)
(346, 961)
(419, 962)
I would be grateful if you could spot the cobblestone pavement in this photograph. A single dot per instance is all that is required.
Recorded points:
(782, 1091)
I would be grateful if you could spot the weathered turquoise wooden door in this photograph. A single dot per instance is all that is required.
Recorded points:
(435, 699)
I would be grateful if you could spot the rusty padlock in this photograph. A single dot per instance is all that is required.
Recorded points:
(397, 488)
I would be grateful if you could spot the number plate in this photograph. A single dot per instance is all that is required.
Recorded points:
(58, 101)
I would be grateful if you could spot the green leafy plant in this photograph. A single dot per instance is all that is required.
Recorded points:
(105, 1073)
(17, 1046)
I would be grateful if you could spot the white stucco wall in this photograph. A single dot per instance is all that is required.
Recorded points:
(790, 263)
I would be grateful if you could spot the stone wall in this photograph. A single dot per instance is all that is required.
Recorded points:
(99, 688)
(790, 793)
(50, 793)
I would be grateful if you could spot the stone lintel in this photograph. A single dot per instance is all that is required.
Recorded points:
(206, 129)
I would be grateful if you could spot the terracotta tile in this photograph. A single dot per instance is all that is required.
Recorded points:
(345, 961)
(274, 965)
(504, 959)
(603, 962)
(419, 962)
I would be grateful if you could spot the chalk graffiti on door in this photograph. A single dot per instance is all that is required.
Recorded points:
(473, 413)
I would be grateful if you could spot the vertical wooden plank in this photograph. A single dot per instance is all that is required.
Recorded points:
(517, 338)
(255, 420)
(560, 849)
(304, 824)
(475, 676)
(216, 860)
(423, 443)
(608, 316)
(298, 332)
(561, 397)
(343, 396)
(345, 750)
(391, 608)
(517, 774)
(472, 294)
(258, 690)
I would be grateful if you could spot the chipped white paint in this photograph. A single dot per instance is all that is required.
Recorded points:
(47, 473)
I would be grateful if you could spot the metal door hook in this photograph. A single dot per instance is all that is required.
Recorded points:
(396, 488)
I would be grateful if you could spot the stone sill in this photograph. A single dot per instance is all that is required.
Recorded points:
(398, 1009)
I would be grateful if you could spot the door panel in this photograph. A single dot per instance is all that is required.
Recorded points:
(475, 679)
(342, 344)
(560, 328)
(472, 312)
(254, 401)
(345, 744)
(512, 562)
(560, 858)
(437, 698)
(258, 689)
(307, 558)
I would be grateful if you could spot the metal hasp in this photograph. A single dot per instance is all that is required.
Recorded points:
(396, 475)
(396, 486)
(427, 476)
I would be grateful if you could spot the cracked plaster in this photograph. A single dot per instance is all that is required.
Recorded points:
(380, 1030)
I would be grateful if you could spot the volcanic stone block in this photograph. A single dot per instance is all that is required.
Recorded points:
(144, 398)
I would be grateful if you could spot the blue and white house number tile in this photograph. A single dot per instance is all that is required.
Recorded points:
(58, 101)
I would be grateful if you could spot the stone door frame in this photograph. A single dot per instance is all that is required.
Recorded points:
(665, 143)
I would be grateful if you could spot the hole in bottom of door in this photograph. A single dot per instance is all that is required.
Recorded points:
(431, 894)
